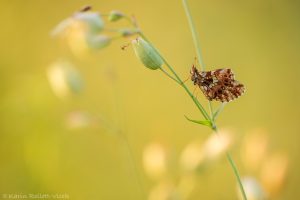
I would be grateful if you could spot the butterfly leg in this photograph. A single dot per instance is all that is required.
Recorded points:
(186, 79)
(195, 93)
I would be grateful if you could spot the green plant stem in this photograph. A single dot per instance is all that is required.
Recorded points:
(200, 60)
(234, 168)
(197, 103)
(167, 74)
(218, 111)
(179, 81)
(196, 43)
(194, 34)
(199, 106)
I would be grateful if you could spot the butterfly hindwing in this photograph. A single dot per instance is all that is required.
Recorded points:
(219, 85)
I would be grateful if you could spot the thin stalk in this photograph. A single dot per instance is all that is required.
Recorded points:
(234, 168)
(200, 60)
(236, 173)
(210, 109)
(121, 132)
(168, 75)
(218, 111)
(199, 106)
(194, 34)
(177, 79)
(196, 43)
(133, 165)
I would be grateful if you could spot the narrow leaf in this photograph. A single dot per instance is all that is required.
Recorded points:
(202, 122)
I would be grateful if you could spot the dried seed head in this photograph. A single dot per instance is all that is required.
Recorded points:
(115, 15)
(147, 54)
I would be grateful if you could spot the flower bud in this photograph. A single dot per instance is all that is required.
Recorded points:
(115, 15)
(64, 79)
(62, 27)
(92, 19)
(98, 41)
(126, 32)
(147, 54)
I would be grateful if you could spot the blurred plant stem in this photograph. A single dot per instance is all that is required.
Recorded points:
(121, 133)
(133, 164)
(213, 116)
(234, 168)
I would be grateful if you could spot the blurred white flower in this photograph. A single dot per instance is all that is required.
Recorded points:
(64, 79)
(274, 173)
(155, 160)
(163, 191)
(62, 28)
(98, 41)
(78, 119)
(82, 32)
(196, 154)
(254, 149)
(186, 186)
(93, 20)
(192, 156)
(253, 189)
(90, 22)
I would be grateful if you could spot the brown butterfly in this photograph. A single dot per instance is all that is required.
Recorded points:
(218, 84)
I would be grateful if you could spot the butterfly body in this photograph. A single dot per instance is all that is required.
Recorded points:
(218, 84)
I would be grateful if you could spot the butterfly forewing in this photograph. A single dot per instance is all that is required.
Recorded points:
(218, 84)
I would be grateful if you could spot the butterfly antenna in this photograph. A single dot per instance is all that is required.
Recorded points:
(196, 62)
(186, 79)
(194, 91)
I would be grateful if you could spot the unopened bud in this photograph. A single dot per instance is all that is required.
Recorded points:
(92, 19)
(62, 27)
(115, 15)
(128, 32)
(147, 54)
(98, 41)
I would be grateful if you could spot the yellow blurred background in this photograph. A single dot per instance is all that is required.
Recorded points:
(69, 145)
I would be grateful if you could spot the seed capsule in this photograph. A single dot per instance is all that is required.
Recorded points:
(147, 54)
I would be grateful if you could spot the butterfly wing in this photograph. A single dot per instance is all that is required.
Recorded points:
(220, 85)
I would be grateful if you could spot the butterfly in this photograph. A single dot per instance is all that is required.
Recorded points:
(218, 84)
